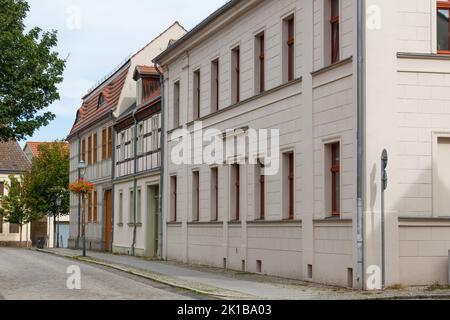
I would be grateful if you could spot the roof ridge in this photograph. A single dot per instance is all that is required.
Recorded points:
(159, 36)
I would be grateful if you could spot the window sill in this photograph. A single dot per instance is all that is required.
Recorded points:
(332, 66)
(425, 56)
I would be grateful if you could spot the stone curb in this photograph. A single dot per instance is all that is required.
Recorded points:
(217, 292)
(208, 291)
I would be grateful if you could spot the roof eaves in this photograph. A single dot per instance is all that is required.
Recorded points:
(230, 4)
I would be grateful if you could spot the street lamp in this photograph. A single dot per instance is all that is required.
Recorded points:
(82, 171)
(58, 206)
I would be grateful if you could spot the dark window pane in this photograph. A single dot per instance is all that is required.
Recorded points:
(13, 228)
(334, 8)
(443, 29)
(335, 42)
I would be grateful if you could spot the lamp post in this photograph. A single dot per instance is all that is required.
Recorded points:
(58, 206)
(82, 170)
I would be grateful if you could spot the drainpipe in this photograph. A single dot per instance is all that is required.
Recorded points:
(133, 245)
(79, 197)
(161, 176)
(113, 177)
(360, 143)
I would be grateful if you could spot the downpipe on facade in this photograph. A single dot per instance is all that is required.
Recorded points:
(133, 245)
(360, 142)
(162, 159)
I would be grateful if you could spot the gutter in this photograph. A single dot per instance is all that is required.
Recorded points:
(360, 143)
(161, 179)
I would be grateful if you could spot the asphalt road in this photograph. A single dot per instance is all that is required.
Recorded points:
(30, 275)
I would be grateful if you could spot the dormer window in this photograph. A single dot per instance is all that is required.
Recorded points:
(146, 87)
(101, 100)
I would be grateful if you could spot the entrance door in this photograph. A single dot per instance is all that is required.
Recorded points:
(108, 221)
(152, 234)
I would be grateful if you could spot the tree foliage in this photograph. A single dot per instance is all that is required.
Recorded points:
(29, 73)
(48, 178)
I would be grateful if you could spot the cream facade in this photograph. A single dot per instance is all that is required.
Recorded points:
(314, 108)
(309, 229)
(413, 105)
(10, 234)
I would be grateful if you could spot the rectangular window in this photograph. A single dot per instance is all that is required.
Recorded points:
(173, 199)
(131, 208)
(90, 150)
(120, 219)
(110, 142)
(83, 150)
(95, 148)
(1, 224)
(260, 63)
(236, 192)
(104, 144)
(288, 64)
(2, 188)
(149, 87)
(155, 133)
(95, 207)
(334, 21)
(197, 94)
(288, 185)
(140, 142)
(215, 86)
(138, 206)
(122, 146)
(176, 104)
(236, 75)
(195, 196)
(89, 204)
(333, 179)
(443, 27)
(215, 194)
(132, 142)
(14, 228)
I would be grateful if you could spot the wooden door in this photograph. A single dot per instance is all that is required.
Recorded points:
(108, 221)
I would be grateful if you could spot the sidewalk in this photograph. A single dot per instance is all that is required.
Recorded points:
(224, 284)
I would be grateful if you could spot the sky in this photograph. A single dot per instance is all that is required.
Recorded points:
(97, 35)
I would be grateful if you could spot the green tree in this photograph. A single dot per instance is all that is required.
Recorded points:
(13, 207)
(48, 179)
(29, 73)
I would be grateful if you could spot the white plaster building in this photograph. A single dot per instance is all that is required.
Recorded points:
(13, 162)
(293, 65)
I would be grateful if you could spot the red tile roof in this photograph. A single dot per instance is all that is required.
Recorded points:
(146, 70)
(90, 112)
(34, 147)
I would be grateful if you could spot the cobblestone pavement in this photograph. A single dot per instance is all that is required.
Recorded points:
(30, 275)
(229, 284)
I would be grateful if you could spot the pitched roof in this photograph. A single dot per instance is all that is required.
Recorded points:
(34, 147)
(12, 157)
(145, 71)
(91, 111)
